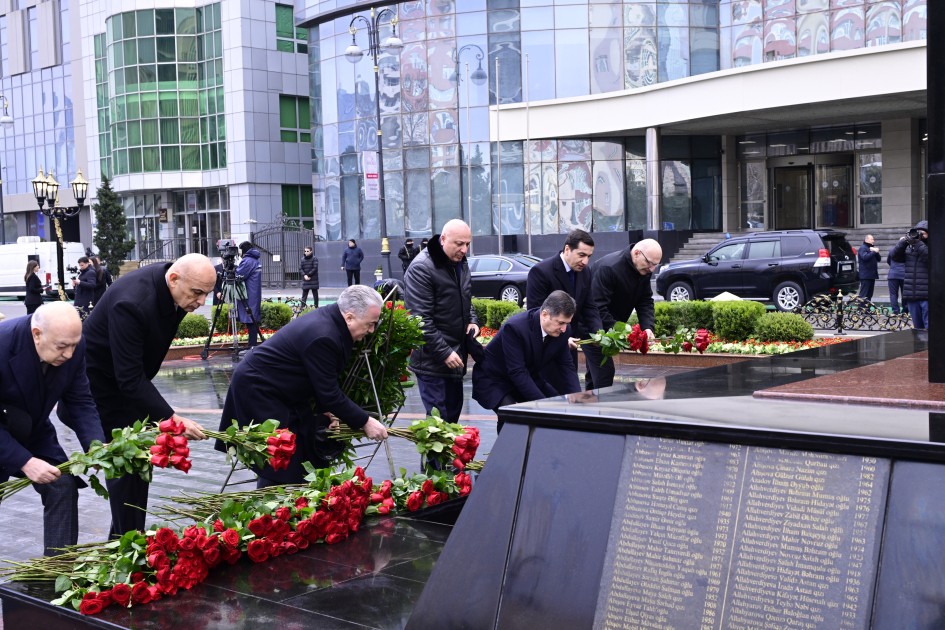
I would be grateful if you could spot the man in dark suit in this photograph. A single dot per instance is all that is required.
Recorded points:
(42, 361)
(568, 271)
(127, 337)
(293, 378)
(621, 284)
(512, 369)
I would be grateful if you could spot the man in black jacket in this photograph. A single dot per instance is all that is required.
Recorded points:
(84, 285)
(567, 271)
(293, 378)
(913, 250)
(439, 290)
(127, 336)
(407, 253)
(308, 268)
(868, 271)
(620, 285)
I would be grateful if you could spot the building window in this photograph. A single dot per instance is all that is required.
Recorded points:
(870, 167)
(294, 119)
(298, 204)
(289, 38)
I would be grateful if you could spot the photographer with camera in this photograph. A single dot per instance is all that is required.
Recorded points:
(84, 285)
(250, 309)
(913, 250)
(867, 257)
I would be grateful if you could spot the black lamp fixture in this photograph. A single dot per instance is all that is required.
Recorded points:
(46, 191)
(354, 54)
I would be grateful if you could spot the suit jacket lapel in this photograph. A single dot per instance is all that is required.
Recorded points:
(561, 276)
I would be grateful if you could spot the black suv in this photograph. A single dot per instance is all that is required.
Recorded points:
(787, 267)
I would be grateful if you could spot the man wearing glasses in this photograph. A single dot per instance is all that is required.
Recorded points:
(620, 285)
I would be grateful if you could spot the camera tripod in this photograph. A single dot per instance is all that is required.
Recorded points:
(234, 292)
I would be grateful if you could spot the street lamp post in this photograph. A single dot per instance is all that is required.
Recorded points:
(354, 54)
(46, 191)
(479, 77)
(6, 122)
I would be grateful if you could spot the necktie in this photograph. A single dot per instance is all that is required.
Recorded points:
(571, 277)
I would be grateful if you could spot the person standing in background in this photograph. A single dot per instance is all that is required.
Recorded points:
(913, 251)
(103, 278)
(84, 285)
(423, 243)
(897, 273)
(351, 262)
(308, 268)
(34, 288)
(249, 309)
(868, 258)
(407, 253)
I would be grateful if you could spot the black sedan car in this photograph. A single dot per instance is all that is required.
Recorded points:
(501, 277)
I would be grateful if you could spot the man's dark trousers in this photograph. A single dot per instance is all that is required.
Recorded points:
(446, 394)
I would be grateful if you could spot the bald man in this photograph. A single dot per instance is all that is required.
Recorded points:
(439, 290)
(42, 361)
(128, 334)
(620, 285)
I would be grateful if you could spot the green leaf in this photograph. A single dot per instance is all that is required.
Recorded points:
(63, 583)
(98, 487)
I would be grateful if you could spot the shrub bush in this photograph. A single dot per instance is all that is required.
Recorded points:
(694, 314)
(783, 327)
(274, 315)
(222, 319)
(193, 325)
(498, 311)
(662, 318)
(481, 307)
(735, 321)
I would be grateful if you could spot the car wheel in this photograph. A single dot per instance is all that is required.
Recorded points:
(511, 293)
(680, 292)
(788, 296)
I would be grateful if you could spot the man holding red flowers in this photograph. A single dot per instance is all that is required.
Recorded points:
(293, 378)
(42, 361)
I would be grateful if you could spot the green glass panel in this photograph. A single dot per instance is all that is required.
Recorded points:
(221, 127)
(118, 56)
(164, 21)
(217, 44)
(102, 117)
(305, 137)
(187, 76)
(99, 46)
(205, 157)
(302, 48)
(220, 107)
(131, 79)
(134, 106)
(307, 202)
(101, 95)
(214, 156)
(190, 158)
(134, 160)
(121, 110)
(121, 162)
(151, 157)
(187, 48)
(170, 158)
(102, 144)
(215, 11)
(149, 132)
(168, 104)
(120, 136)
(167, 76)
(165, 49)
(301, 34)
(146, 53)
(305, 119)
(149, 105)
(289, 136)
(119, 80)
(211, 102)
(218, 71)
(114, 27)
(285, 23)
(128, 24)
(290, 201)
(147, 77)
(186, 21)
(222, 153)
(203, 102)
(189, 131)
(285, 45)
(188, 103)
(100, 71)
(130, 51)
(170, 131)
(288, 112)
(204, 133)
(200, 20)
(145, 20)
(134, 134)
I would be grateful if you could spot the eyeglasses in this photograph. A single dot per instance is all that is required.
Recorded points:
(649, 262)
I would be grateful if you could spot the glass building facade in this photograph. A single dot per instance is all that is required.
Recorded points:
(436, 125)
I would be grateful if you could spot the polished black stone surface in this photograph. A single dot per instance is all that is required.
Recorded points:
(371, 580)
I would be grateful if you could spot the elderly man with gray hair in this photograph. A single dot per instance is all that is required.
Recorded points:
(293, 378)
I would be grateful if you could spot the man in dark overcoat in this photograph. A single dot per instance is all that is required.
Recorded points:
(127, 336)
(620, 285)
(293, 378)
(518, 359)
(568, 271)
(42, 361)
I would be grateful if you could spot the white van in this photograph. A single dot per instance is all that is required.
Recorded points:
(13, 259)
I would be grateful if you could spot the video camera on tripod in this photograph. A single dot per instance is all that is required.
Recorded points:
(228, 250)
(233, 289)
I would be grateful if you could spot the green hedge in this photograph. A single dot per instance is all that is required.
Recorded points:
(274, 315)
(783, 327)
(735, 321)
(193, 325)
(498, 311)
(671, 316)
(481, 307)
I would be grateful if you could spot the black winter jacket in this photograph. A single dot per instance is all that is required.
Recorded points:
(308, 266)
(617, 288)
(444, 301)
(915, 285)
